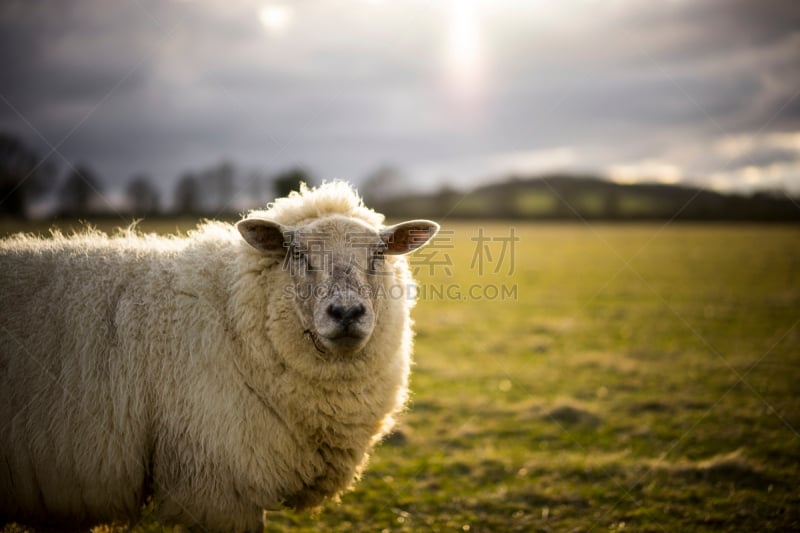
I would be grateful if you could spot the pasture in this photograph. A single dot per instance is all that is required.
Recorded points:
(574, 377)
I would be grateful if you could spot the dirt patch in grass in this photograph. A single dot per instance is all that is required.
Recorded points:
(570, 414)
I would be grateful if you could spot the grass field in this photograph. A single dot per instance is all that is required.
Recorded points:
(604, 378)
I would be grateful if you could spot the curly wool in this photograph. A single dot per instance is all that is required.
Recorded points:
(139, 365)
(299, 207)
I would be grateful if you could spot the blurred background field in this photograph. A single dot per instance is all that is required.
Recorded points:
(644, 378)
(589, 355)
(591, 377)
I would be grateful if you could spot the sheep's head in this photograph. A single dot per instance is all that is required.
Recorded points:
(338, 267)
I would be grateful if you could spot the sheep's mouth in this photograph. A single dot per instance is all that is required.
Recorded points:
(316, 342)
(342, 344)
(346, 341)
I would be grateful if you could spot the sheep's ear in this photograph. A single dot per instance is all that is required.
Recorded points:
(408, 236)
(263, 235)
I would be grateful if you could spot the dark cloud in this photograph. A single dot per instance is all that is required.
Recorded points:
(737, 60)
(165, 86)
(56, 59)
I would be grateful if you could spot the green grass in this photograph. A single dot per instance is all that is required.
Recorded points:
(637, 377)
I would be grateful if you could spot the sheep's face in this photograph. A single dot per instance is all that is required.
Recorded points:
(338, 267)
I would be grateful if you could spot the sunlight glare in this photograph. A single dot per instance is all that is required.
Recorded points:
(464, 46)
(275, 17)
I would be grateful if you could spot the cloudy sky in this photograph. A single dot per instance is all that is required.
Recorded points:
(451, 92)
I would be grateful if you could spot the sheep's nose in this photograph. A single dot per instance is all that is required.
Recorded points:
(346, 314)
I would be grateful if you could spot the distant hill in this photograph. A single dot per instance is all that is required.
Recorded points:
(560, 197)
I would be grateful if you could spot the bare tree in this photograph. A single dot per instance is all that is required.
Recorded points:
(257, 186)
(289, 181)
(79, 191)
(143, 197)
(219, 182)
(187, 195)
(23, 176)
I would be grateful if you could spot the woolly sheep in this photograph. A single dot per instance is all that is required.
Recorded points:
(222, 375)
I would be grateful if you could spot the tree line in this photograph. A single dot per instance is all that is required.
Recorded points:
(582, 198)
(26, 179)
(212, 192)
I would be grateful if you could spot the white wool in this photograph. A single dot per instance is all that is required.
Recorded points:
(338, 198)
(138, 364)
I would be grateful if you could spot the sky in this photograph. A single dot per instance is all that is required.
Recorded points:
(450, 93)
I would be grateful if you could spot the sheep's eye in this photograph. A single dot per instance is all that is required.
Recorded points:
(378, 257)
(299, 256)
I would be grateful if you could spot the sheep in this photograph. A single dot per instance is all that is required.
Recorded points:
(238, 369)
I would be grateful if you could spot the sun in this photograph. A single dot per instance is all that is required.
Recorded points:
(275, 17)
(464, 44)
(464, 61)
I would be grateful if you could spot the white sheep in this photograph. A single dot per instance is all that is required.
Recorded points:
(222, 375)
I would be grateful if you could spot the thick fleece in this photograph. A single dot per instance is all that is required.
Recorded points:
(139, 365)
